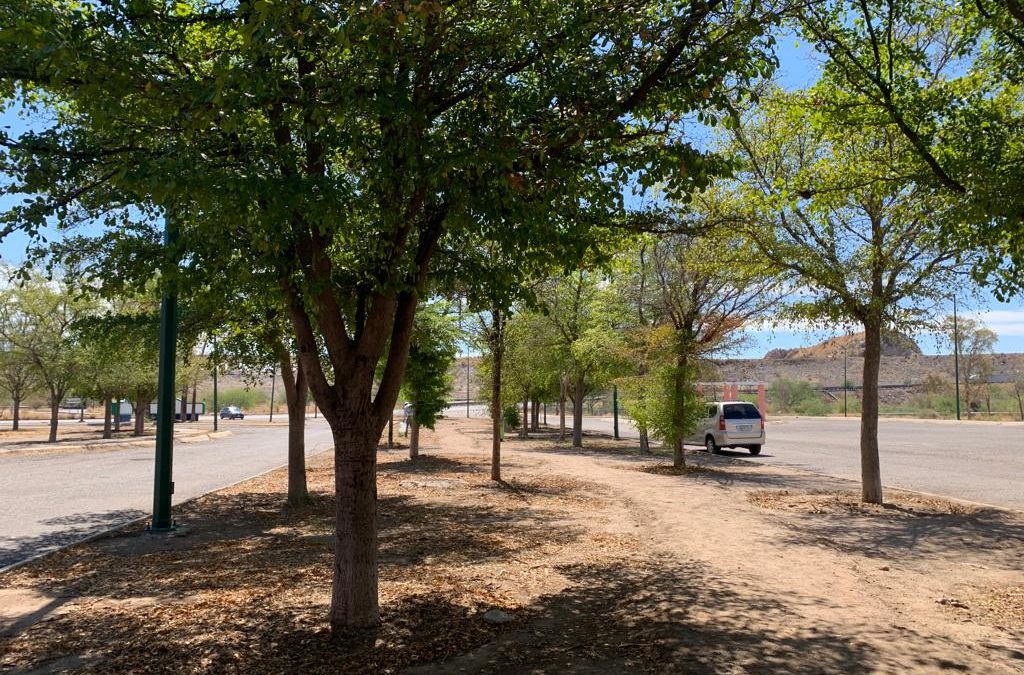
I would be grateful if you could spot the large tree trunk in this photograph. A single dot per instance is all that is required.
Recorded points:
(16, 414)
(354, 591)
(524, 427)
(497, 418)
(55, 397)
(295, 390)
(563, 395)
(140, 415)
(414, 436)
(577, 412)
(871, 477)
(645, 440)
(535, 415)
(106, 416)
(679, 400)
(678, 455)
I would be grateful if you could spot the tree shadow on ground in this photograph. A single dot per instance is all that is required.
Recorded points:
(75, 528)
(671, 618)
(258, 576)
(991, 536)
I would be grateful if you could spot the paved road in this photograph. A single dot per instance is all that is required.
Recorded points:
(979, 461)
(53, 499)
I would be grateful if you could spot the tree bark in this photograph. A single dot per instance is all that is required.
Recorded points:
(195, 418)
(678, 455)
(871, 477)
(391, 431)
(645, 440)
(140, 415)
(535, 415)
(563, 395)
(184, 404)
(16, 414)
(414, 436)
(295, 390)
(354, 589)
(497, 349)
(106, 416)
(577, 412)
(524, 427)
(679, 412)
(117, 417)
(55, 398)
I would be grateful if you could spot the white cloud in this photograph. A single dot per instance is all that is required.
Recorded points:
(1005, 322)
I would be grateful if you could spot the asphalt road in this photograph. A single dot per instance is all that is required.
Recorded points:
(978, 461)
(49, 500)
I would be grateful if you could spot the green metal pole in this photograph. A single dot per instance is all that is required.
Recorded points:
(163, 487)
(956, 357)
(216, 410)
(615, 410)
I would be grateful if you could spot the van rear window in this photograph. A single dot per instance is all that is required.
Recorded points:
(741, 411)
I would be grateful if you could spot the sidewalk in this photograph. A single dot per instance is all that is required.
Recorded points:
(580, 561)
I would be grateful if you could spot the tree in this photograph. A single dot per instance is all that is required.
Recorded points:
(532, 364)
(706, 290)
(1018, 392)
(38, 318)
(975, 344)
(344, 149)
(569, 305)
(846, 219)
(947, 79)
(428, 381)
(18, 378)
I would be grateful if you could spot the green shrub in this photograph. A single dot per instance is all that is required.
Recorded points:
(796, 398)
(511, 415)
(246, 399)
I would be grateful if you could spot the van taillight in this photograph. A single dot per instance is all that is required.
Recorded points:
(721, 422)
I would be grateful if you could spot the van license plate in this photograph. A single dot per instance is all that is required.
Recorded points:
(744, 427)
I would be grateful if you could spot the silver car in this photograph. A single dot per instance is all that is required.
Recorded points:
(730, 424)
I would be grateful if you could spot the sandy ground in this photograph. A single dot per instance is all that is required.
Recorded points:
(598, 565)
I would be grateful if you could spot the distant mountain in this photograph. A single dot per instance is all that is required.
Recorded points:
(893, 344)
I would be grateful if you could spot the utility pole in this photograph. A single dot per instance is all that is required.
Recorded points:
(273, 381)
(615, 411)
(956, 357)
(163, 486)
(216, 410)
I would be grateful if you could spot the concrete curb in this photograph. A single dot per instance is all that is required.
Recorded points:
(114, 528)
(110, 444)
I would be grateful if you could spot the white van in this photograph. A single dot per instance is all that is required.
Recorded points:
(730, 424)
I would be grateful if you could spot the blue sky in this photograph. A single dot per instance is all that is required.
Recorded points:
(798, 68)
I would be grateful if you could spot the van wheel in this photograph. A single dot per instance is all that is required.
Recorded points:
(754, 449)
(710, 445)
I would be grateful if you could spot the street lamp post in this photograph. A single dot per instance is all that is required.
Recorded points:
(163, 486)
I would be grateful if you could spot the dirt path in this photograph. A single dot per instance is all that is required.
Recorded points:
(854, 590)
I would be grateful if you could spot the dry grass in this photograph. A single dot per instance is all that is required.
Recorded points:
(672, 470)
(832, 502)
(1000, 606)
